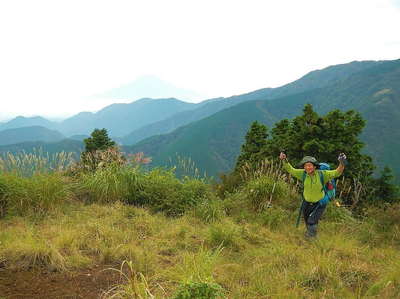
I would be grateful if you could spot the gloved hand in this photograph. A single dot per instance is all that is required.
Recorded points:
(342, 158)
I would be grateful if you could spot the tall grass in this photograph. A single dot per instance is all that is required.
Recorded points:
(27, 164)
(110, 184)
(36, 195)
(186, 167)
(161, 191)
(133, 284)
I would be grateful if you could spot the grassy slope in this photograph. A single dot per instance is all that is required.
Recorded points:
(55, 222)
(259, 258)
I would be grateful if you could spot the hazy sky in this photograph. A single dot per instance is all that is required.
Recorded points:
(55, 54)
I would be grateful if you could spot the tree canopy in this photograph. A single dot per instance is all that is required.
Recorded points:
(99, 140)
(323, 137)
(252, 149)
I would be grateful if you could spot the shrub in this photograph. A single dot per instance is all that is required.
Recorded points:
(237, 206)
(209, 210)
(225, 234)
(229, 183)
(195, 274)
(274, 217)
(3, 201)
(199, 290)
(339, 214)
(36, 195)
(264, 190)
(97, 160)
(163, 192)
(110, 184)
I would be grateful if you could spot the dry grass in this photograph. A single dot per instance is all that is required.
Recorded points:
(248, 259)
(247, 244)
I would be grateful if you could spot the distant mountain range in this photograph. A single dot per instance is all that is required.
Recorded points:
(66, 145)
(212, 131)
(313, 80)
(34, 133)
(119, 119)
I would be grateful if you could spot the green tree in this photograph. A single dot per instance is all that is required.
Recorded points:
(385, 190)
(99, 140)
(323, 137)
(100, 151)
(253, 149)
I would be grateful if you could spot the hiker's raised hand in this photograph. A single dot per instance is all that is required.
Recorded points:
(342, 157)
(282, 156)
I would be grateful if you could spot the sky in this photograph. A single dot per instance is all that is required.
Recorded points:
(55, 55)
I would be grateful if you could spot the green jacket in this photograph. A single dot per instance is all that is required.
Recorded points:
(313, 190)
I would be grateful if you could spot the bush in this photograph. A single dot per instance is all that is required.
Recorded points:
(229, 183)
(36, 195)
(264, 190)
(3, 201)
(237, 206)
(339, 214)
(274, 217)
(199, 290)
(163, 192)
(110, 184)
(225, 234)
(209, 210)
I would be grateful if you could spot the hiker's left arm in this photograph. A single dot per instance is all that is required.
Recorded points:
(340, 168)
(342, 161)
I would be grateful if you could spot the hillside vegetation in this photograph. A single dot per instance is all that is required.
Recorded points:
(179, 238)
(214, 142)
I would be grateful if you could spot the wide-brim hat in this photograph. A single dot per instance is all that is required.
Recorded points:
(308, 159)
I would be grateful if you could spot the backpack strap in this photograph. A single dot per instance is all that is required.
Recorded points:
(321, 177)
(304, 177)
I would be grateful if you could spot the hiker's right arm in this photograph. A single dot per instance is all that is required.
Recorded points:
(297, 173)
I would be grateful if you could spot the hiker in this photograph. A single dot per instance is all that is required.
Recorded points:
(314, 199)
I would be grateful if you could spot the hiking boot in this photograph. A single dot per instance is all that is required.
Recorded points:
(311, 231)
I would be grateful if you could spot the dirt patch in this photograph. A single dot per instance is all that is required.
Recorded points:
(90, 283)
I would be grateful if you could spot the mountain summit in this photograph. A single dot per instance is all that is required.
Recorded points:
(149, 87)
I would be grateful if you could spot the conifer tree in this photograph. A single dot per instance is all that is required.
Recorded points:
(253, 149)
(385, 190)
(323, 137)
(100, 150)
(99, 140)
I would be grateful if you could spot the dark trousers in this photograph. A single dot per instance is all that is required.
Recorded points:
(312, 212)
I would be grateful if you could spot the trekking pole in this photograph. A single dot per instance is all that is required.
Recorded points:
(300, 212)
